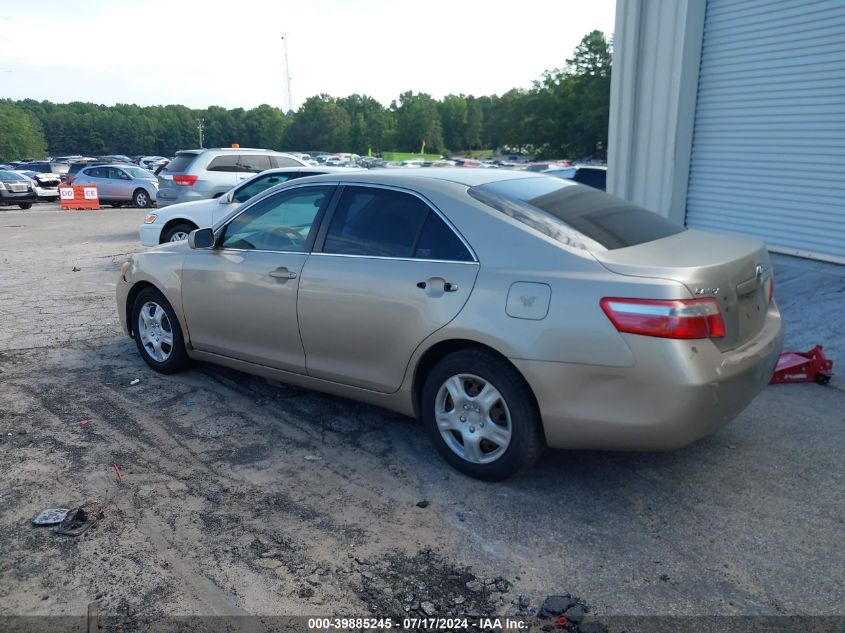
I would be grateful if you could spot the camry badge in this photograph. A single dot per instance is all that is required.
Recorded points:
(706, 291)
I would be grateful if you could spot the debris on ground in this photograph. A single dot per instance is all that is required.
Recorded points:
(423, 504)
(50, 516)
(119, 474)
(190, 404)
(83, 422)
(135, 382)
(313, 458)
(75, 269)
(78, 521)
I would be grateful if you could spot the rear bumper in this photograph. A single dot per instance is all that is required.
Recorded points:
(676, 393)
(14, 197)
(166, 197)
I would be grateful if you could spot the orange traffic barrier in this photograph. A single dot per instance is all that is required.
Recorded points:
(78, 197)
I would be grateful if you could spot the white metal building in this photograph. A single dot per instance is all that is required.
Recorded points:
(729, 115)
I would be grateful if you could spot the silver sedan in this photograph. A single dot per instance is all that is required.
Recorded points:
(509, 311)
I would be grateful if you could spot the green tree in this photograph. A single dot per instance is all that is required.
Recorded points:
(418, 120)
(453, 112)
(320, 124)
(21, 135)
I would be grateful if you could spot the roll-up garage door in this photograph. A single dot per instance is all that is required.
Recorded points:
(768, 153)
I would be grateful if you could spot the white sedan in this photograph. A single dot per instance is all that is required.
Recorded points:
(175, 222)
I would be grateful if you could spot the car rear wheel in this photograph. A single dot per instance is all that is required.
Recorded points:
(158, 335)
(141, 198)
(177, 232)
(25, 205)
(481, 415)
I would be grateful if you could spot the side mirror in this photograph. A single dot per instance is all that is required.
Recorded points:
(201, 238)
(230, 197)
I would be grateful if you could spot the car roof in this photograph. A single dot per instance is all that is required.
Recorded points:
(469, 177)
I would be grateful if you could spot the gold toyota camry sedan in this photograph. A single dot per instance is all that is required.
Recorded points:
(509, 311)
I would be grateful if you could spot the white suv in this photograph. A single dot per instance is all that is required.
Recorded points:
(198, 174)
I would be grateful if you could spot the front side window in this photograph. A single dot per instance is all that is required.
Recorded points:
(259, 184)
(118, 174)
(385, 223)
(281, 222)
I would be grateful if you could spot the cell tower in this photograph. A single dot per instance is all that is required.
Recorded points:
(287, 99)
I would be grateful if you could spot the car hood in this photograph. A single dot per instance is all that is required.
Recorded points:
(170, 247)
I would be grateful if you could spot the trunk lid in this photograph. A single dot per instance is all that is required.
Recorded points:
(180, 164)
(735, 270)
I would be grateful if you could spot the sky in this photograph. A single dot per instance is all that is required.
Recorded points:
(231, 54)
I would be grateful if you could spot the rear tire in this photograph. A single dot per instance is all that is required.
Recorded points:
(25, 205)
(176, 233)
(481, 415)
(141, 199)
(158, 334)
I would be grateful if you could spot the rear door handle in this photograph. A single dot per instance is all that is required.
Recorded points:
(282, 273)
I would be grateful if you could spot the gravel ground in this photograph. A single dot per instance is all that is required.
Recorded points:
(241, 496)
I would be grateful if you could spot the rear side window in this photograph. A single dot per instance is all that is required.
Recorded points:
(253, 163)
(222, 163)
(283, 161)
(180, 163)
(97, 172)
(569, 213)
(596, 178)
(384, 223)
(438, 241)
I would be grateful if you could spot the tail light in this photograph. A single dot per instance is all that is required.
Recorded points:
(184, 180)
(681, 319)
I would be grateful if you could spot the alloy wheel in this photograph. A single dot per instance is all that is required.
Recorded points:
(155, 331)
(473, 418)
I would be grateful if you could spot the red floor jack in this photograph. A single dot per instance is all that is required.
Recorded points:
(809, 366)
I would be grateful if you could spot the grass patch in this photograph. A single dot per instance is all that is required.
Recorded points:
(400, 156)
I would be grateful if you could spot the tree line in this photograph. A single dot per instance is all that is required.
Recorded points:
(563, 114)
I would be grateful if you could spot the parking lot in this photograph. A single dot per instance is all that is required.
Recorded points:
(241, 496)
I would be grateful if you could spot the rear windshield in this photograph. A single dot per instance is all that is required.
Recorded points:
(7, 176)
(180, 164)
(568, 212)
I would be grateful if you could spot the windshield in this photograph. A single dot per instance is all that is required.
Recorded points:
(568, 213)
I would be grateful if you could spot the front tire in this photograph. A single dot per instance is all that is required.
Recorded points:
(25, 205)
(481, 415)
(141, 198)
(158, 335)
(177, 232)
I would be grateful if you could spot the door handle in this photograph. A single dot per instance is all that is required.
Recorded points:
(447, 286)
(282, 273)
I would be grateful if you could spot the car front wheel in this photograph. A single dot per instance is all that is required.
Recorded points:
(481, 415)
(177, 232)
(158, 335)
(25, 205)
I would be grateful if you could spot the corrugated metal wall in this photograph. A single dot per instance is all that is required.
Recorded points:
(768, 153)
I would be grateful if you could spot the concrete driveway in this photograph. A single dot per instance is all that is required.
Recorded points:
(245, 497)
